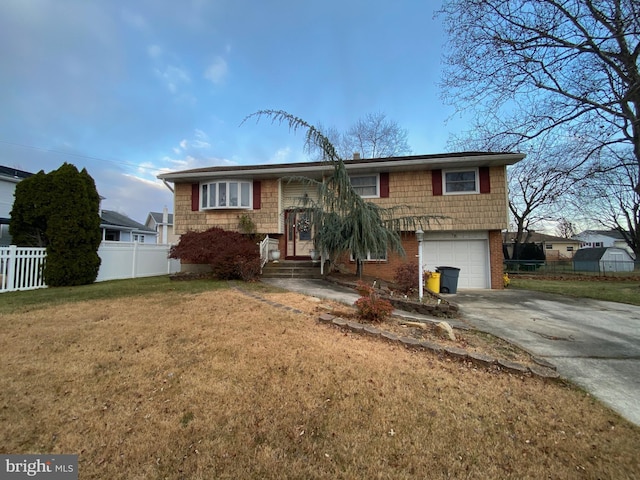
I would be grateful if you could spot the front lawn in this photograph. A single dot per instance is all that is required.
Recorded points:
(216, 383)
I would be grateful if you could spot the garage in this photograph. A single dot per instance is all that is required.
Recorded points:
(468, 252)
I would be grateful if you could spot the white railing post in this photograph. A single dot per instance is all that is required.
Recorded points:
(264, 252)
(13, 261)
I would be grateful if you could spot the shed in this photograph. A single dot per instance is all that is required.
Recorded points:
(603, 259)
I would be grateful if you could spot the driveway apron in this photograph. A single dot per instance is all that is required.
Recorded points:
(595, 344)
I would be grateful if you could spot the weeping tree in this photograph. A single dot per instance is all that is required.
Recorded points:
(344, 221)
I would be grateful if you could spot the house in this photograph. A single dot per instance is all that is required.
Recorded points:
(9, 178)
(162, 223)
(116, 227)
(603, 260)
(469, 189)
(555, 248)
(602, 238)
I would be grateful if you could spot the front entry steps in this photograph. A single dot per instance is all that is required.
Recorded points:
(292, 269)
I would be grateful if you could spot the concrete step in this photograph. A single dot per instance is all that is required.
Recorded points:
(291, 269)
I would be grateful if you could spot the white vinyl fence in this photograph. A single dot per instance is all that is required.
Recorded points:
(133, 260)
(21, 268)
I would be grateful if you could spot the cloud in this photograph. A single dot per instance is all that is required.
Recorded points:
(217, 71)
(201, 140)
(174, 77)
(282, 155)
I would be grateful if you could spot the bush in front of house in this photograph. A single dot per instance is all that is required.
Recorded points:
(406, 278)
(231, 255)
(371, 306)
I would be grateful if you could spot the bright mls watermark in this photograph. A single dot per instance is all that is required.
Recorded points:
(50, 467)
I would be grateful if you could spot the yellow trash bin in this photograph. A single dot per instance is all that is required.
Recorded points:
(433, 282)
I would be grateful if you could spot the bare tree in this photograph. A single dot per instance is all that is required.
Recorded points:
(565, 228)
(533, 66)
(373, 136)
(539, 186)
(609, 199)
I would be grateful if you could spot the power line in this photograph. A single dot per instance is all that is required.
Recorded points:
(77, 155)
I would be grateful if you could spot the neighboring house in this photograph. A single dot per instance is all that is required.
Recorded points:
(603, 260)
(554, 248)
(9, 178)
(162, 223)
(116, 227)
(469, 189)
(602, 238)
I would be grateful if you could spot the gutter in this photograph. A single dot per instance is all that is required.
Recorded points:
(369, 166)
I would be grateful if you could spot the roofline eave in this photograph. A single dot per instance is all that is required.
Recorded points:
(375, 165)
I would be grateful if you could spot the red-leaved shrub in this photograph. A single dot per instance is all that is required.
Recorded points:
(371, 307)
(231, 255)
(406, 278)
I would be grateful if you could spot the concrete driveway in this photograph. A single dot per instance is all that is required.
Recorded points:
(594, 344)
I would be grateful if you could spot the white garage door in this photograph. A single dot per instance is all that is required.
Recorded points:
(470, 256)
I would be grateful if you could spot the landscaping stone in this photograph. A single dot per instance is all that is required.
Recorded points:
(543, 363)
(444, 329)
(355, 326)
(326, 318)
(410, 342)
(458, 353)
(371, 330)
(513, 367)
(392, 337)
(434, 347)
(339, 322)
(544, 372)
(481, 359)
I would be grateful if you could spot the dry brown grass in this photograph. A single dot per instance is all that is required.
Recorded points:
(221, 385)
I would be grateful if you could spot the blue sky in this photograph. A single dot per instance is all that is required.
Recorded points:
(129, 89)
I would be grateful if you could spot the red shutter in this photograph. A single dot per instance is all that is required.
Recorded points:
(257, 194)
(485, 182)
(436, 181)
(384, 185)
(195, 197)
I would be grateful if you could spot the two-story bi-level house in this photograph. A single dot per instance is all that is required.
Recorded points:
(468, 189)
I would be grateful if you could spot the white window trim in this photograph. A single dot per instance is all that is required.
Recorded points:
(377, 175)
(226, 181)
(369, 259)
(470, 192)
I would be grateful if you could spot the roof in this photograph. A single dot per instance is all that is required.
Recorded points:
(535, 237)
(13, 173)
(318, 169)
(157, 217)
(594, 254)
(607, 233)
(109, 218)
